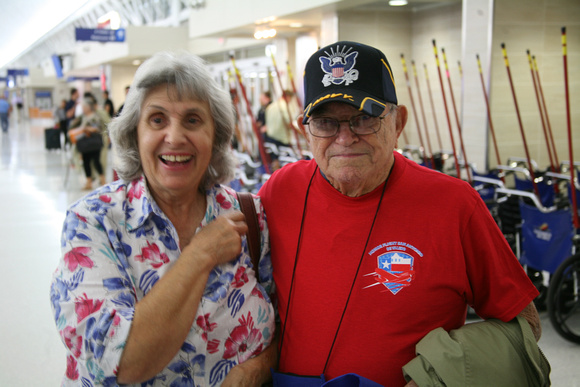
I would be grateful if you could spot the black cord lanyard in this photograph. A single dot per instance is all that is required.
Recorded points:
(355, 276)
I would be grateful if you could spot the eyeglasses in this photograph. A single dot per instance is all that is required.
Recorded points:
(361, 125)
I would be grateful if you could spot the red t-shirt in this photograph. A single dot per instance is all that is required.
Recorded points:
(433, 250)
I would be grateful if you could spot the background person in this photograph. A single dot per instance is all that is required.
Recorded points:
(265, 101)
(70, 108)
(279, 126)
(61, 121)
(155, 285)
(123, 104)
(378, 251)
(5, 110)
(108, 104)
(88, 146)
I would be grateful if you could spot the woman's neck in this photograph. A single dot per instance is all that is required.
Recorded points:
(184, 213)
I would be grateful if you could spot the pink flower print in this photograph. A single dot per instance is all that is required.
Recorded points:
(203, 323)
(85, 306)
(71, 368)
(243, 336)
(240, 278)
(152, 253)
(257, 293)
(223, 202)
(213, 346)
(135, 191)
(78, 257)
(116, 322)
(72, 341)
(81, 218)
(105, 198)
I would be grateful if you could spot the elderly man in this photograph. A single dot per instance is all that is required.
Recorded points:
(372, 252)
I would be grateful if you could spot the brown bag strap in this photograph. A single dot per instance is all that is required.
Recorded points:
(247, 207)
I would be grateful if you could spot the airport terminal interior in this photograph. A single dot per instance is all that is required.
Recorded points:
(491, 87)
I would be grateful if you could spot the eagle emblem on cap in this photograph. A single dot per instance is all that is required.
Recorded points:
(338, 66)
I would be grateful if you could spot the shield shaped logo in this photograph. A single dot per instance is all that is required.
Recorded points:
(394, 270)
(338, 71)
(338, 66)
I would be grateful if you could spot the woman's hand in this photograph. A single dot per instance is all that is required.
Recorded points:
(221, 240)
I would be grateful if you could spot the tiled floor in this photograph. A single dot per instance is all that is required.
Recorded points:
(34, 193)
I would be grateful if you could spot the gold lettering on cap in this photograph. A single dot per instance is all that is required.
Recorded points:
(333, 95)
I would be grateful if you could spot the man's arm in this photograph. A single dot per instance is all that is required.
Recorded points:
(531, 315)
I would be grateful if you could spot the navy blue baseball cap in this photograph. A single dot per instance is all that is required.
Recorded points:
(349, 72)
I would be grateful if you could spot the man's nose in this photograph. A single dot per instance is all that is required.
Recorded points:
(345, 133)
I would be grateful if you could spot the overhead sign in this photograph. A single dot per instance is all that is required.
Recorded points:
(86, 79)
(17, 72)
(99, 35)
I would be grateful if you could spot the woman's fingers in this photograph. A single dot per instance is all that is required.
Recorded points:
(221, 240)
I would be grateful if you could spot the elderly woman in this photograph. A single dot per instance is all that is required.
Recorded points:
(155, 284)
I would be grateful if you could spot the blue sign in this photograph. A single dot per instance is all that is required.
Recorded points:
(86, 79)
(17, 72)
(57, 66)
(99, 35)
(43, 94)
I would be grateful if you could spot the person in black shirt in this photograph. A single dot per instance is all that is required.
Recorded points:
(108, 104)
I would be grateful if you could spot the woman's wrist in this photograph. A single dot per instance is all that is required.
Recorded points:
(200, 259)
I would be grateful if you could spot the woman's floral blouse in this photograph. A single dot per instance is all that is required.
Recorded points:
(116, 244)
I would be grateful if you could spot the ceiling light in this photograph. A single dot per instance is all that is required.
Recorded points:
(296, 25)
(397, 3)
(265, 34)
(265, 20)
(136, 62)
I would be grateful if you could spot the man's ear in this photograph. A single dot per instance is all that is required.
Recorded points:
(302, 128)
(401, 121)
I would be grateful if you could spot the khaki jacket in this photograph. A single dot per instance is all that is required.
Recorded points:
(487, 353)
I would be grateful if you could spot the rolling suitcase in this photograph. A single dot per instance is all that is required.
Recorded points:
(51, 138)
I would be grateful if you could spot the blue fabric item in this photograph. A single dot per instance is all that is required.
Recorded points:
(487, 193)
(546, 191)
(347, 380)
(280, 379)
(546, 237)
(351, 380)
(577, 195)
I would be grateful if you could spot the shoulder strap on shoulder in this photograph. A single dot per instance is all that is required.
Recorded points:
(247, 207)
